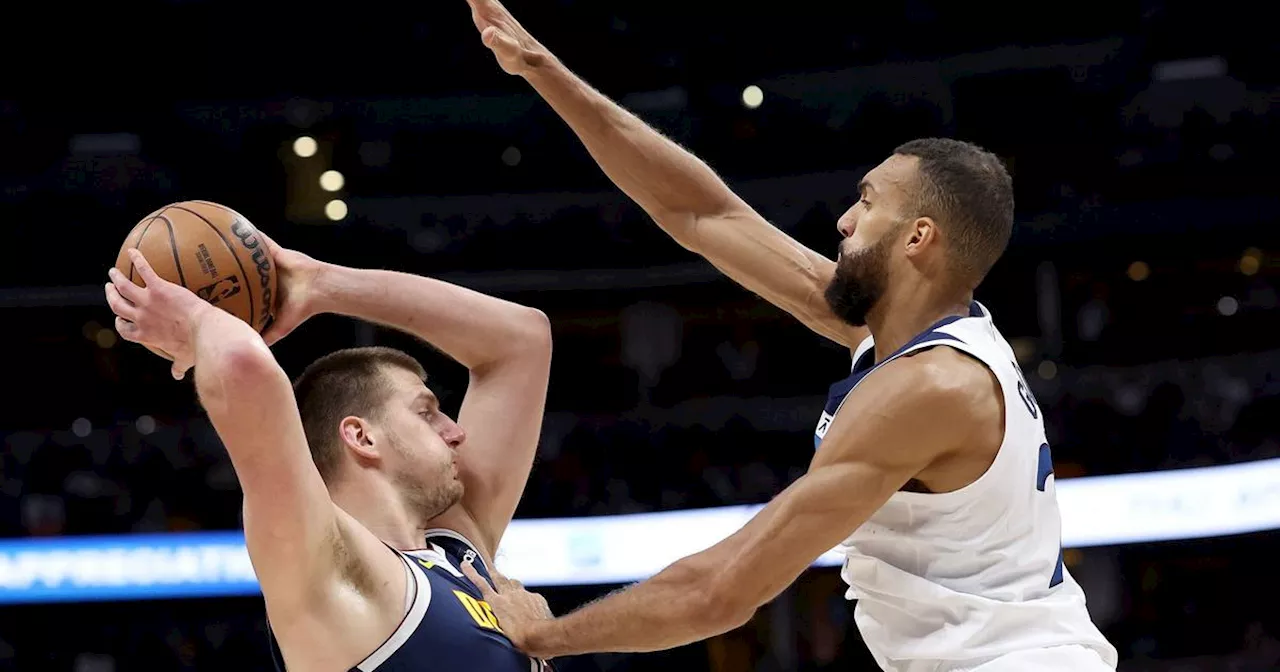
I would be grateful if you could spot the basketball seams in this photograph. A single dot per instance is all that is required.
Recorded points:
(138, 243)
(236, 257)
(173, 247)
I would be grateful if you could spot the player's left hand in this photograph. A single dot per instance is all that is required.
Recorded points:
(518, 610)
(296, 289)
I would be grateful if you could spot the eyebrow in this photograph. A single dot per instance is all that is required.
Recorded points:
(864, 185)
(427, 398)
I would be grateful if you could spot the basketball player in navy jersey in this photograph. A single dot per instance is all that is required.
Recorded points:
(361, 497)
(932, 474)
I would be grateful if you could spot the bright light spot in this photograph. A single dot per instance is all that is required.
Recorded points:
(1138, 271)
(752, 96)
(331, 180)
(146, 424)
(81, 427)
(1228, 306)
(1047, 370)
(335, 209)
(305, 146)
(511, 156)
(105, 338)
(1251, 261)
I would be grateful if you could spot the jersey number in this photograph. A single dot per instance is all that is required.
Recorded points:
(1044, 467)
(479, 610)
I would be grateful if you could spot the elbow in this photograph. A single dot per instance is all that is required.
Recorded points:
(539, 330)
(236, 364)
(726, 607)
(721, 603)
(533, 334)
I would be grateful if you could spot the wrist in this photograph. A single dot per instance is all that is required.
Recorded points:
(324, 291)
(543, 639)
(541, 65)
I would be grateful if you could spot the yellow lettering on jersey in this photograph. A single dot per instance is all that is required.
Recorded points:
(425, 563)
(479, 610)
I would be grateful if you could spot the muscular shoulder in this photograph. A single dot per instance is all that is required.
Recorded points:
(948, 374)
(947, 393)
(965, 406)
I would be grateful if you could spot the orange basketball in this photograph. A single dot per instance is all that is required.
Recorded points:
(211, 250)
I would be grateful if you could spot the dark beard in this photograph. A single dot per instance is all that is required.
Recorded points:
(859, 282)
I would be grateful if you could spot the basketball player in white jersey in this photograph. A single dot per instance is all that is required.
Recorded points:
(361, 496)
(932, 475)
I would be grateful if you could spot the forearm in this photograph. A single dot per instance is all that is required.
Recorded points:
(676, 607)
(472, 328)
(668, 182)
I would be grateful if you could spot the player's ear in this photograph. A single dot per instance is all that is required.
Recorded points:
(358, 437)
(921, 233)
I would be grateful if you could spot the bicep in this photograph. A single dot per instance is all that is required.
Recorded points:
(290, 522)
(768, 262)
(502, 416)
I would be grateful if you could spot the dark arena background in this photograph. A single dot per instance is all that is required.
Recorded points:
(1139, 292)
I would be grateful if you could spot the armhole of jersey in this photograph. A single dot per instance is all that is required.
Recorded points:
(979, 483)
(420, 589)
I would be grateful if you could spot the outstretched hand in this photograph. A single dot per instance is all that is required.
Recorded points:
(516, 50)
(517, 610)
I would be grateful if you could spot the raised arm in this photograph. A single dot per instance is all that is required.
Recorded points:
(678, 190)
(505, 346)
(291, 525)
(869, 453)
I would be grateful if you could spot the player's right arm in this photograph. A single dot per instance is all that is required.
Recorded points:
(290, 523)
(292, 528)
(679, 191)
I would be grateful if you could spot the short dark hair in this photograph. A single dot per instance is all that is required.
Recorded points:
(969, 190)
(347, 382)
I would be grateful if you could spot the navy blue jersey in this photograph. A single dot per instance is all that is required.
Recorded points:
(448, 626)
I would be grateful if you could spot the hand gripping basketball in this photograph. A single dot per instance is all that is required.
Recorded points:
(160, 315)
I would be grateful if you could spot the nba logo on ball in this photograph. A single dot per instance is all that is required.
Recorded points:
(224, 288)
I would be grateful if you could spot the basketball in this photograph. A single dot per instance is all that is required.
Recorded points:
(211, 250)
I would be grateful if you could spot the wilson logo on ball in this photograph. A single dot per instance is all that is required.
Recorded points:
(262, 259)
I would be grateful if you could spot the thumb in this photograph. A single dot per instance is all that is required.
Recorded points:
(179, 370)
(494, 38)
(485, 589)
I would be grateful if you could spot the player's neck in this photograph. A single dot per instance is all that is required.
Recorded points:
(901, 316)
(377, 506)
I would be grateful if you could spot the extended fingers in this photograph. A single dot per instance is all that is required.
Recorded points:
(143, 267)
(125, 287)
(121, 306)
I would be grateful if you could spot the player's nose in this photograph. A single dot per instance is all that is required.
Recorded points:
(453, 434)
(847, 222)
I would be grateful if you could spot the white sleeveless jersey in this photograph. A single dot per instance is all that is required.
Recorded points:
(974, 573)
